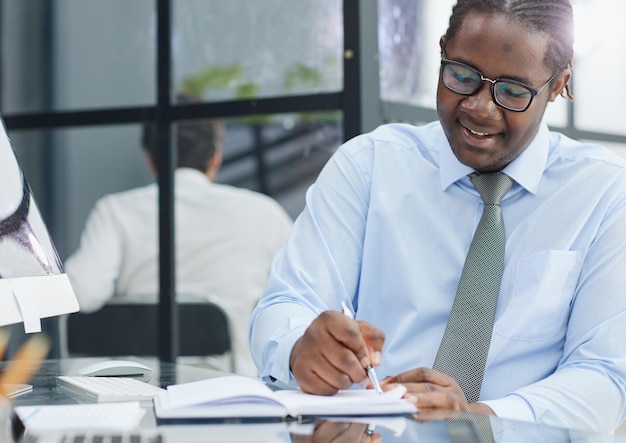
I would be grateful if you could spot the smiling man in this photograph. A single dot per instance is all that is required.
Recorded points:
(388, 225)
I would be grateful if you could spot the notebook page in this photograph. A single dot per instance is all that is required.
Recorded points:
(347, 402)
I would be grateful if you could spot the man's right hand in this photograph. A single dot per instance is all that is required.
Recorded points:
(333, 353)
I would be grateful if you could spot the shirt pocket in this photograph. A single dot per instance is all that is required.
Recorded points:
(542, 292)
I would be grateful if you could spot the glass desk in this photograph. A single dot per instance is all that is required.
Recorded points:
(389, 430)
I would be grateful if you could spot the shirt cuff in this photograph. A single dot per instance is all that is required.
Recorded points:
(280, 373)
(512, 407)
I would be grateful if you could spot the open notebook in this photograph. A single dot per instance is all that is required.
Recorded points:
(240, 397)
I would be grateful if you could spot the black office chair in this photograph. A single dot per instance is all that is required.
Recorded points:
(131, 329)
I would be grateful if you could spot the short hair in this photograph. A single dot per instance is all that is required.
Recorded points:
(196, 140)
(554, 18)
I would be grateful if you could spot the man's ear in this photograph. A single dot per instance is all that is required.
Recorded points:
(151, 163)
(442, 43)
(562, 79)
(215, 163)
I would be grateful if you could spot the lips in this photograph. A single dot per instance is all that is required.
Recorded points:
(479, 134)
(479, 139)
(477, 131)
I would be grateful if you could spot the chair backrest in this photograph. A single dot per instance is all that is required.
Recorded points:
(131, 329)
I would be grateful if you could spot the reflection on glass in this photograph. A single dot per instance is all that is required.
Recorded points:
(77, 54)
(243, 49)
(408, 40)
(25, 246)
(90, 162)
(280, 155)
(400, 47)
(87, 163)
(400, 430)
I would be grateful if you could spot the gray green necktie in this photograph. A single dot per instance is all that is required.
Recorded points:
(463, 350)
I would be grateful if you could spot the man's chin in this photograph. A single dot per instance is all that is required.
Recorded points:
(480, 163)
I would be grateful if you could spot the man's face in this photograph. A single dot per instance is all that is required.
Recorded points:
(482, 134)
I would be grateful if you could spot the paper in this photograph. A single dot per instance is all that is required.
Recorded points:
(101, 416)
(347, 403)
(230, 396)
(244, 397)
(28, 309)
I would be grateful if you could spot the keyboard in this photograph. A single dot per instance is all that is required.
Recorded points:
(108, 389)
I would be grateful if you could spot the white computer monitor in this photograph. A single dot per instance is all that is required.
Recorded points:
(33, 283)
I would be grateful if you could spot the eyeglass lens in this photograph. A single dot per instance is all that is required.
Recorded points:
(466, 81)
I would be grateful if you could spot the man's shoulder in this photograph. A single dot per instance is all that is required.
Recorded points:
(400, 143)
(585, 165)
(401, 135)
(129, 197)
(576, 150)
(245, 196)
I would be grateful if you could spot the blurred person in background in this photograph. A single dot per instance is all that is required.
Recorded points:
(226, 238)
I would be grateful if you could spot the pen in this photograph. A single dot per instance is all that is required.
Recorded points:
(371, 373)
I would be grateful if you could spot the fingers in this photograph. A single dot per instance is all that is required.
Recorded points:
(333, 353)
(374, 340)
(313, 372)
(336, 432)
(427, 415)
(441, 399)
(321, 362)
(430, 389)
(422, 375)
(326, 431)
(364, 340)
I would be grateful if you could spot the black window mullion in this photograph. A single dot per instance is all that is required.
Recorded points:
(351, 100)
(166, 160)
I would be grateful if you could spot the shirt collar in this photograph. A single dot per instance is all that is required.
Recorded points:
(527, 169)
(190, 175)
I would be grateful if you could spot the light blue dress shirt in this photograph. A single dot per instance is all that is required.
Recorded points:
(387, 227)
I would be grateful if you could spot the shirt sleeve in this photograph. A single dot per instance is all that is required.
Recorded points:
(94, 267)
(316, 269)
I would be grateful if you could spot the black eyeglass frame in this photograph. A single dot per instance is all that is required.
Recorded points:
(533, 91)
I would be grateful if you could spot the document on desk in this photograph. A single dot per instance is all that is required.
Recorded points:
(98, 416)
(240, 397)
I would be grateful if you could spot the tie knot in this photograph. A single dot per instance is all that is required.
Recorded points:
(491, 186)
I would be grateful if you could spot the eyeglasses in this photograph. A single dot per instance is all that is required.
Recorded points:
(509, 94)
